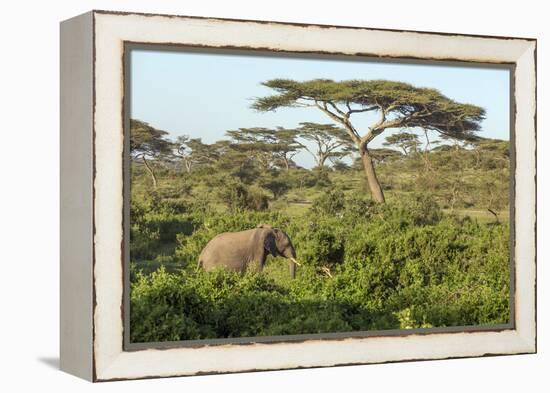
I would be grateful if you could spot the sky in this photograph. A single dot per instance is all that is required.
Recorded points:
(203, 94)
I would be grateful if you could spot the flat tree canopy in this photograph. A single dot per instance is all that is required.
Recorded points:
(269, 146)
(331, 142)
(398, 104)
(406, 141)
(192, 151)
(148, 142)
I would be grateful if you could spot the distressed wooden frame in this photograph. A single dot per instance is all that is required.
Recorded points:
(93, 250)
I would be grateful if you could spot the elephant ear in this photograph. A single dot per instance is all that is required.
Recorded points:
(270, 244)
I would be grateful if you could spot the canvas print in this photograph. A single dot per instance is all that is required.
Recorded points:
(282, 195)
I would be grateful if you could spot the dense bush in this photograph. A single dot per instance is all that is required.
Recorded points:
(237, 197)
(400, 265)
(156, 221)
(167, 307)
(331, 203)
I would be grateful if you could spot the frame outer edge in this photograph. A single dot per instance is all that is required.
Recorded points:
(526, 298)
(76, 196)
(525, 341)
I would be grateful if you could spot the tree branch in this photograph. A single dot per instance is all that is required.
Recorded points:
(303, 105)
(307, 149)
(370, 108)
(383, 123)
(342, 120)
(390, 108)
(333, 105)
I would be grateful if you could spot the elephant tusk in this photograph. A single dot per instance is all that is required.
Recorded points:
(295, 261)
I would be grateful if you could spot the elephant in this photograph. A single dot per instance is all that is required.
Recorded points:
(234, 251)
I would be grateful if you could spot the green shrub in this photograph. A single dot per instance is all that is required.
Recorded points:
(234, 195)
(257, 200)
(278, 185)
(322, 179)
(321, 242)
(238, 197)
(155, 222)
(330, 203)
(222, 304)
(413, 209)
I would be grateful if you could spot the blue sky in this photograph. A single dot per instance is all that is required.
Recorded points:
(205, 94)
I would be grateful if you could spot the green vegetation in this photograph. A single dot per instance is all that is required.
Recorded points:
(435, 254)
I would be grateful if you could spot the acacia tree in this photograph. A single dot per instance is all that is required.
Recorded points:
(406, 141)
(456, 143)
(192, 152)
(237, 162)
(381, 156)
(267, 146)
(331, 142)
(184, 152)
(148, 143)
(288, 145)
(398, 105)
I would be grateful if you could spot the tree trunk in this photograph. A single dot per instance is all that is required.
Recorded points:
(286, 160)
(188, 166)
(150, 170)
(322, 159)
(374, 184)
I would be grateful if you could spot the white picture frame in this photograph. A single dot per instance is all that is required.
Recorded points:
(92, 196)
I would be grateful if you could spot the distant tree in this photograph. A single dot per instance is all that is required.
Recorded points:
(331, 142)
(269, 147)
(277, 185)
(405, 141)
(184, 152)
(234, 195)
(287, 146)
(255, 143)
(230, 159)
(455, 143)
(442, 147)
(382, 155)
(237, 196)
(490, 153)
(192, 152)
(148, 143)
(339, 165)
(459, 142)
(399, 105)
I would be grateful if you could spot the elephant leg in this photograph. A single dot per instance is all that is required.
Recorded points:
(260, 266)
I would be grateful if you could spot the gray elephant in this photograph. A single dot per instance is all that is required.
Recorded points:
(236, 250)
